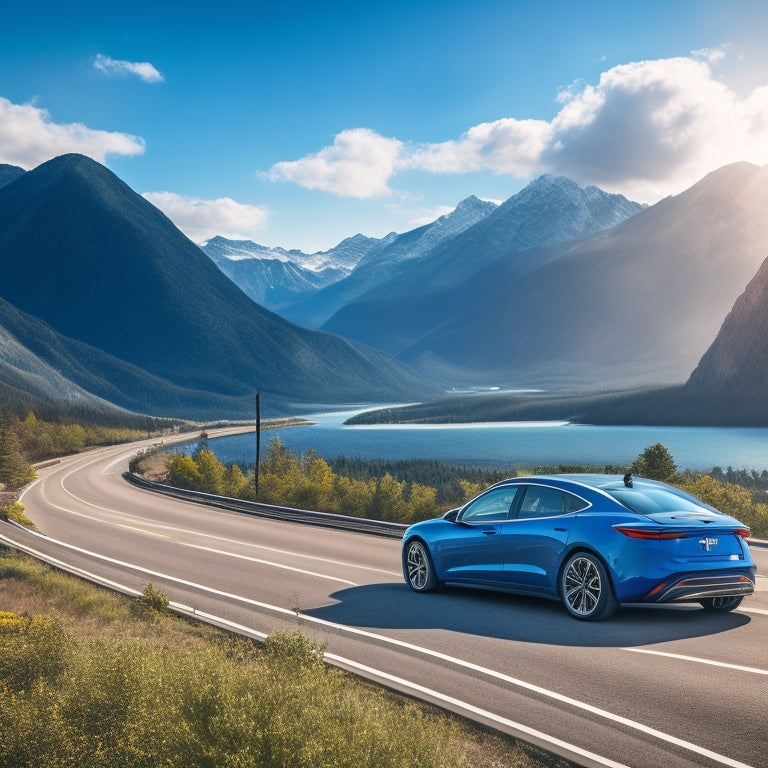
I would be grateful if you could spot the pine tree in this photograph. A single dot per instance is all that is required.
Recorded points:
(15, 471)
(655, 463)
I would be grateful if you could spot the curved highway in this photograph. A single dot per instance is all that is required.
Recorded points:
(654, 686)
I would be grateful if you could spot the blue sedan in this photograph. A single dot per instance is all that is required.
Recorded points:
(591, 541)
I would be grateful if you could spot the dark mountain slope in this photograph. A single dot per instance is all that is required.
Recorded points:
(99, 264)
(731, 379)
(51, 368)
(640, 303)
(548, 211)
(9, 173)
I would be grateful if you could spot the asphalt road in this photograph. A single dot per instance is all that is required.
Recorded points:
(670, 687)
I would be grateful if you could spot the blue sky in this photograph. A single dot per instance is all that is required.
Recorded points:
(299, 124)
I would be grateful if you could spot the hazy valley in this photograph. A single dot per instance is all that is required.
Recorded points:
(105, 303)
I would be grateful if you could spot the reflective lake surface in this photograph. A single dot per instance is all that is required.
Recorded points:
(507, 444)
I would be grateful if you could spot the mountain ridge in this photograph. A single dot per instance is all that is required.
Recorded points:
(112, 272)
(386, 259)
(639, 303)
(394, 315)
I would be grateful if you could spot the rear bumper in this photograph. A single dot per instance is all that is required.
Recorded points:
(691, 588)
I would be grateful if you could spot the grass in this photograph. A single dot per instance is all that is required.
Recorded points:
(91, 678)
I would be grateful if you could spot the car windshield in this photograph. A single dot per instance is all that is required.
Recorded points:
(649, 501)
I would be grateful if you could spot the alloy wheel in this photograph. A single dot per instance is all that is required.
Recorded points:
(418, 568)
(586, 589)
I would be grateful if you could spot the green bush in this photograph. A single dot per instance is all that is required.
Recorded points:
(731, 499)
(396, 491)
(155, 598)
(31, 648)
(15, 512)
(119, 703)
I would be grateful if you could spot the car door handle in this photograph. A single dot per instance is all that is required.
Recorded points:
(563, 530)
(489, 531)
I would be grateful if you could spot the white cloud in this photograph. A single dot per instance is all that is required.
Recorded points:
(656, 126)
(647, 129)
(503, 146)
(712, 55)
(201, 219)
(117, 68)
(29, 137)
(359, 164)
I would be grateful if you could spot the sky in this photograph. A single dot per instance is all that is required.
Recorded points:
(298, 124)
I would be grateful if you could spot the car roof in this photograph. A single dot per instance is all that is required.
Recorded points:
(596, 481)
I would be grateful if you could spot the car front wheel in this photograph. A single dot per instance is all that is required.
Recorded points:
(586, 589)
(721, 603)
(417, 567)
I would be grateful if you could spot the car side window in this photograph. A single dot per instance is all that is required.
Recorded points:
(493, 506)
(543, 501)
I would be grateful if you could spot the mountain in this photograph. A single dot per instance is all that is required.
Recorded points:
(731, 379)
(9, 173)
(551, 210)
(39, 366)
(98, 264)
(274, 277)
(637, 304)
(386, 259)
(26, 377)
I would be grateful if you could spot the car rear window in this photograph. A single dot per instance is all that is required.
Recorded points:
(649, 501)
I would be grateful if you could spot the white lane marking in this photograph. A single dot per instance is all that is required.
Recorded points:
(175, 529)
(738, 667)
(484, 713)
(753, 610)
(267, 562)
(257, 560)
(404, 684)
(343, 662)
(634, 725)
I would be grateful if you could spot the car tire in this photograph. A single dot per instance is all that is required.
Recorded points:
(721, 604)
(585, 588)
(417, 567)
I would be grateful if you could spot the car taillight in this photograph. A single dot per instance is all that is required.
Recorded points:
(743, 532)
(644, 533)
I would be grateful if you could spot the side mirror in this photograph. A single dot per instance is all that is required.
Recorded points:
(451, 515)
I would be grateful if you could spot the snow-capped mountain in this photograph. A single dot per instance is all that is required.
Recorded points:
(274, 277)
(127, 308)
(551, 210)
(386, 259)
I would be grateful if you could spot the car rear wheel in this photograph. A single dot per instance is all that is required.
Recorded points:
(417, 567)
(586, 589)
(721, 603)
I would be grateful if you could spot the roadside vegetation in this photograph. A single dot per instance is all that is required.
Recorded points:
(29, 440)
(411, 490)
(403, 491)
(90, 679)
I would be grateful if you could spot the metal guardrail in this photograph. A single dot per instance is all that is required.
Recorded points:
(305, 516)
(286, 514)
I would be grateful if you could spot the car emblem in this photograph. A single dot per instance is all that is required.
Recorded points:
(707, 544)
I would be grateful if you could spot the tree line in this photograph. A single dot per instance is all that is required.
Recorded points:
(309, 482)
(401, 491)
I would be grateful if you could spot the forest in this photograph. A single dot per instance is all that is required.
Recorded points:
(403, 491)
(411, 490)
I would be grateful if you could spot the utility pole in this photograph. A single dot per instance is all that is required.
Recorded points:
(258, 445)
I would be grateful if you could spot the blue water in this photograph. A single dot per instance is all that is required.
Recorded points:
(509, 445)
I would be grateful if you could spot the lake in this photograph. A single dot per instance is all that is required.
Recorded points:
(508, 444)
